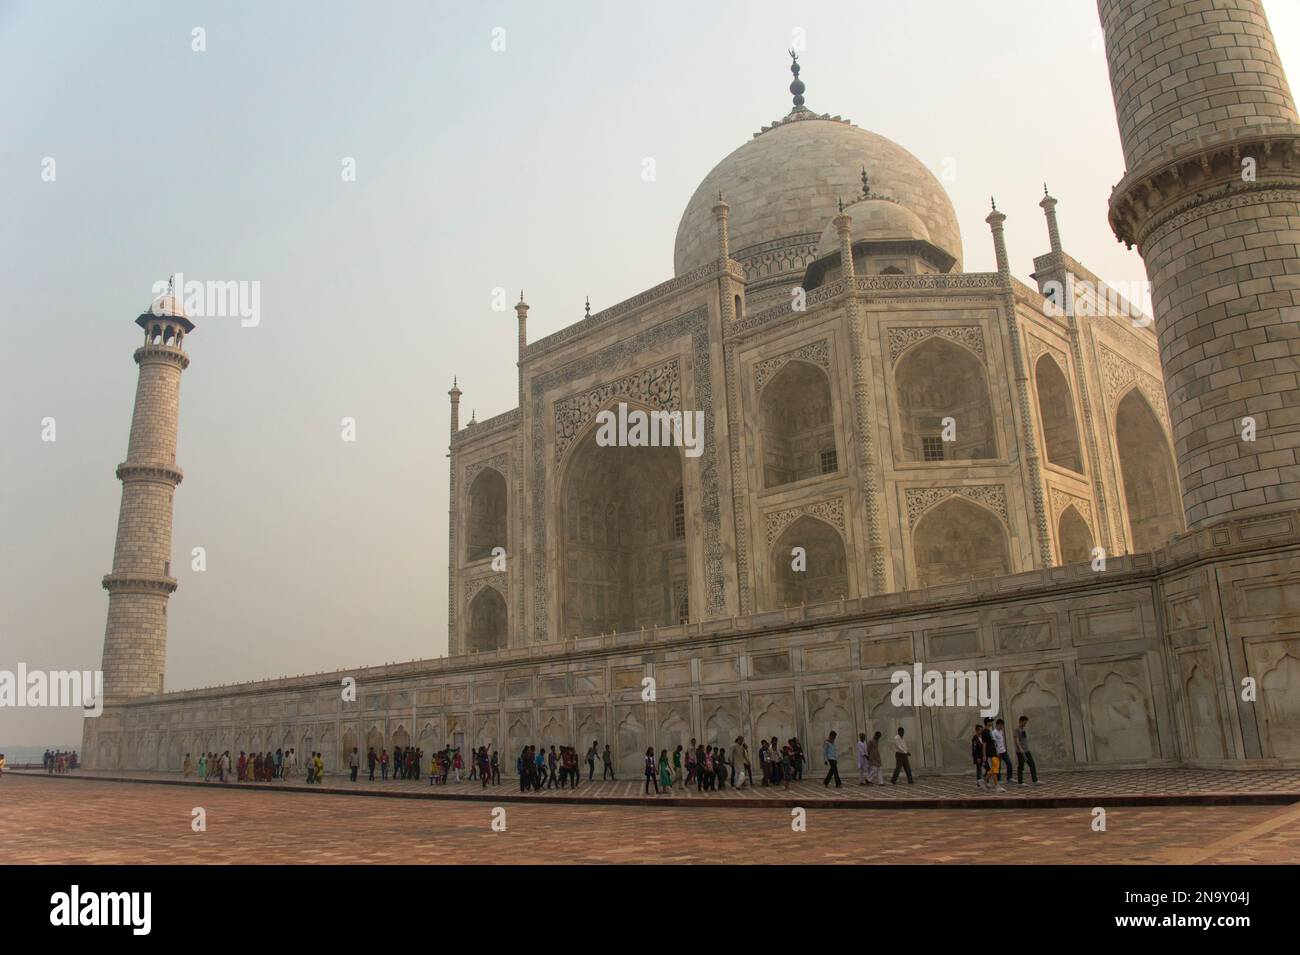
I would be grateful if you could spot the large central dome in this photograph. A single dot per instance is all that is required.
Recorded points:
(784, 185)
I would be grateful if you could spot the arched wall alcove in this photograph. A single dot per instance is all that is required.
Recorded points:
(958, 540)
(1056, 411)
(1147, 468)
(488, 621)
(796, 425)
(622, 538)
(488, 513)
(935, 380)
(825, 576)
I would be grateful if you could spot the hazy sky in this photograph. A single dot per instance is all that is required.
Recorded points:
(475, 170)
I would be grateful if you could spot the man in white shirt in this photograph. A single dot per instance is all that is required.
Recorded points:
(1000, 746)
(902, 758)
(862, 759)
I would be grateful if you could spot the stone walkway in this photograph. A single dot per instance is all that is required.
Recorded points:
(66, 820)
(1146, 787)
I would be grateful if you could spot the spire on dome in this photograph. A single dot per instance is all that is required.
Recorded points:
(588, 306)
(866, 183)
(797, 87)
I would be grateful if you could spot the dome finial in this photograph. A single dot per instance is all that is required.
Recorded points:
(994, 203)
(866, 183)
(588, 306)
(797, 87)
(840, 202)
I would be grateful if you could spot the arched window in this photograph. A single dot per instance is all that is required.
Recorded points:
(1056, 409)
(1074, 540)
(487, 514)
(891, 270)
(958, 540)
(817, 572)
(796, 424)
(1150, 488)
(620, 550)
(938, 380)
(487, 621)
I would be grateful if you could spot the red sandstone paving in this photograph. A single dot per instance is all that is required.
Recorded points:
(46, 820)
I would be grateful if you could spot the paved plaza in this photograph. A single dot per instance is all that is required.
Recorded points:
(115, 821)
(1058, 790)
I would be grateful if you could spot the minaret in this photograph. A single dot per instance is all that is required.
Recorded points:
(453, 642)
(135, 638)
(1211, 199)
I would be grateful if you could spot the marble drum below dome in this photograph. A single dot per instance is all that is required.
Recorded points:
(784, 186)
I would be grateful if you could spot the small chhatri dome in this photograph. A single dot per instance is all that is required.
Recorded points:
(167, 306)
(875, 219)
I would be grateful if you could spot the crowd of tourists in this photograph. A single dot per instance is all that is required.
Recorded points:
(249, 767)
(59, 762)
(707, 767)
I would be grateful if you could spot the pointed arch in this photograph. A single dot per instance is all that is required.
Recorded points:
(1121, 721)
(720, 727)
(488, 621)
(1280, 694)
(1056, 412)
(938, 379)
(488, 514)
(1073, 537)
(401, 737)
(796, 425)
(1147, 470)
(428, 740)
(957, 540)
(825, 574)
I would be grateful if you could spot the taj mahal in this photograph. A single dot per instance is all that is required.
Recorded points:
(900, 461)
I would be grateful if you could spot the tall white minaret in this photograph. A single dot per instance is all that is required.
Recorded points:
(135, 638)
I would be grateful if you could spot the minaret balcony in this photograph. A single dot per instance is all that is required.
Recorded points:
(159, 473)
(139, 584)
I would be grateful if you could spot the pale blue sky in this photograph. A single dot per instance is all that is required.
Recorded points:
(475, 169)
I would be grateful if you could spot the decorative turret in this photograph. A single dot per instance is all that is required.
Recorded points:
(455, 394)
(995, 220)
(1048, 205)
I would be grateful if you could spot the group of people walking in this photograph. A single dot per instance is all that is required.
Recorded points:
(709, 767)
(251, 768)
(446, 765)
(403, 763)
(988, 749)
(59, 762)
